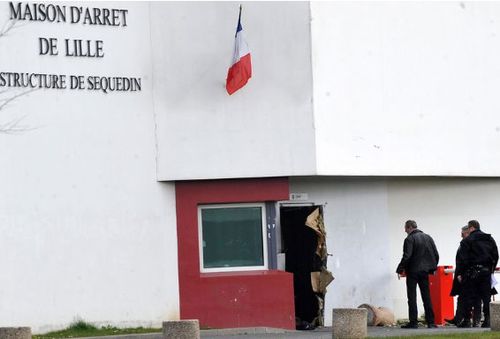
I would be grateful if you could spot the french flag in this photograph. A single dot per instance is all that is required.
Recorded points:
(241, 66)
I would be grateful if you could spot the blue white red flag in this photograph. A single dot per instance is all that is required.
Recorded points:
(241, 66)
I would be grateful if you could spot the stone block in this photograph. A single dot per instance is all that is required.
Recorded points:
(181, 329)
(495, 315)
(349, 323)
(15, 332)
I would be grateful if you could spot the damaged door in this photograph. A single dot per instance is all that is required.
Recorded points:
(304, 244)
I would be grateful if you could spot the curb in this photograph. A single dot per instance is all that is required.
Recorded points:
(213, 332)
(243, 330)
(156, 335)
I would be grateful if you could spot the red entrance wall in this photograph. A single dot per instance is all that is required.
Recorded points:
(236, 299)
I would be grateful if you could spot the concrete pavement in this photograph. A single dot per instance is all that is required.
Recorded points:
(320, 333)
(326, 332)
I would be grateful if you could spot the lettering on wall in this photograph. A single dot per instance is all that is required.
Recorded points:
(69, 47)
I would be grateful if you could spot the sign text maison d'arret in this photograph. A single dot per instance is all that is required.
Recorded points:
(68, 47)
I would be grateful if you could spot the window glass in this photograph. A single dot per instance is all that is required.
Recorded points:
(232, 237)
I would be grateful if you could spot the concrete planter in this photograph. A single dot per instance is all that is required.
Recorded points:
(495, 315)
(15, 332)
(182, 329)
(349, 323)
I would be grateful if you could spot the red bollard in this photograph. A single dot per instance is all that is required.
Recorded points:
(440, 286)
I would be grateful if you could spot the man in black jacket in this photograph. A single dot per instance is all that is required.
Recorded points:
(420, 258)
(461, 319)
(480, 257)
(456, 288)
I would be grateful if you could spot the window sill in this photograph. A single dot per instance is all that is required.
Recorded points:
(243, 273)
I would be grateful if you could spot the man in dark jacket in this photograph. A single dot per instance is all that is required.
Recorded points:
(456, 288)
(480, 257)
(420, 258)
(461, 319)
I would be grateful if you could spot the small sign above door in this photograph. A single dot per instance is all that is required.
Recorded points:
(299, 196)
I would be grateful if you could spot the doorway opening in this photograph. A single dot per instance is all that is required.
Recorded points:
(303, 242)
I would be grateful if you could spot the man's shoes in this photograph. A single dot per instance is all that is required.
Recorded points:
(304, 326)
(464, 324)
(410, 325)
(431, 326)
(450, 321)
(485, 324)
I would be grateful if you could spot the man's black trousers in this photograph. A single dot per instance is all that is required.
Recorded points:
(422, 280)
(475, 291)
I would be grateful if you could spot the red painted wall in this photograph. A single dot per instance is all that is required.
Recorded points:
(236, 299)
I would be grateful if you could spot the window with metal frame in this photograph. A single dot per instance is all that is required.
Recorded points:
(232, 237)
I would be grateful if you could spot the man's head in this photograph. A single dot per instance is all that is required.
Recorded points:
(465, 231)
(410, 225)
(473, 225)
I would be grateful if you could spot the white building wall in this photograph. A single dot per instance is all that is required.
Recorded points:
(364, 218)
(264, 129)
(406, 88)
(338, 88)
(86, 230)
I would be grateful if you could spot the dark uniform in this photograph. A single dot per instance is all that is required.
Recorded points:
(480, 257)
(420, 258)
(456, 290)
(462, 319)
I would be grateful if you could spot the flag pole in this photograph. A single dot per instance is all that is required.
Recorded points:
(239, 22)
